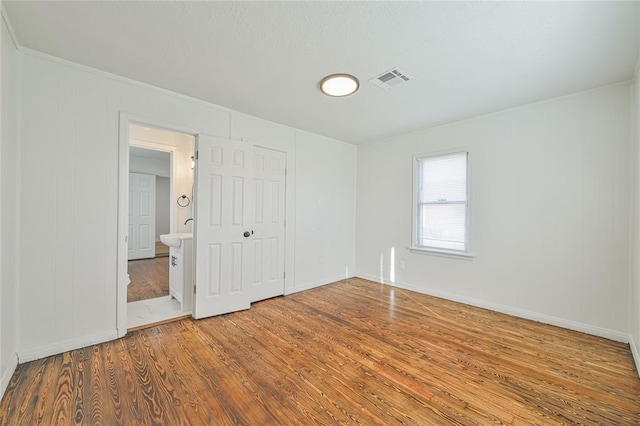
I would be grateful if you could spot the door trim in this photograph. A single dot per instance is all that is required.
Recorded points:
(125, 120)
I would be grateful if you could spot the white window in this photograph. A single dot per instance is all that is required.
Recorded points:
(441, 208)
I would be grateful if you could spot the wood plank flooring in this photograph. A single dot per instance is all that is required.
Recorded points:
(353, 352)
(161, 250)
(149, 279)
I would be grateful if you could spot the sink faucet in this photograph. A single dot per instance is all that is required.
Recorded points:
(187, 221)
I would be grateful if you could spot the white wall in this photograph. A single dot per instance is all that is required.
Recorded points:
(550, 189)
(9, 96)
(325, 200)
(634, 290)
(70, 132)
(150, 166)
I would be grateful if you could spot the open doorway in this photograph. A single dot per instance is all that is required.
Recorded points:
(160, 204)
(149, 217)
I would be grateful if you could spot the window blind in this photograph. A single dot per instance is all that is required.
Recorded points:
(442, 202)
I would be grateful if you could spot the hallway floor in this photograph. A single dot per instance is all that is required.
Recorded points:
(149, 279)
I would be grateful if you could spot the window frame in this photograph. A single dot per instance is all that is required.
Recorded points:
(416, 216)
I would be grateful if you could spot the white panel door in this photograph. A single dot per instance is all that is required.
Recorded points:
(269, 168)
(142, 216)
(224, 271)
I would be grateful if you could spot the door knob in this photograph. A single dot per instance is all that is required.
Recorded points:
(246, 234)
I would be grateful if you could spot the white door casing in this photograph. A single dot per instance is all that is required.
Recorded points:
(223, 239)
(269, 174)
(142, 216)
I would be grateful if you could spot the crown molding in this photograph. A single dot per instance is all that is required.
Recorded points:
(7, 23)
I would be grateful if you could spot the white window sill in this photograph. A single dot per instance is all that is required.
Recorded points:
(443, 253)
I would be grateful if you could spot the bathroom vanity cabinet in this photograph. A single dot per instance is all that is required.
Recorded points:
(181, 273)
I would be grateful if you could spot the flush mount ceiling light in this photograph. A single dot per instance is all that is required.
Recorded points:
(338, 85)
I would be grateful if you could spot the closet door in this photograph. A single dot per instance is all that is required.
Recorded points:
(269, 176)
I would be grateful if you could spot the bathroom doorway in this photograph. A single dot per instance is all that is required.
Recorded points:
(149, 207)
(160, 202)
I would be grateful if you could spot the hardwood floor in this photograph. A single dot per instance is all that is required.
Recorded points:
(149, 279)
(353, 352)
(161, 250)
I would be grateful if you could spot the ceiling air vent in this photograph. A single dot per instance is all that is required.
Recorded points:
(391, 78)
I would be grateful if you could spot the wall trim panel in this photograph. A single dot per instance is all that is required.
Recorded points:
(64, 346)
(308, 286)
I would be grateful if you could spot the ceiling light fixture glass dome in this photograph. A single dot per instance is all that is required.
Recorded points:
(338, 85)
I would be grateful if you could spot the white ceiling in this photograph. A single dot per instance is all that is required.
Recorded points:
(266, 58)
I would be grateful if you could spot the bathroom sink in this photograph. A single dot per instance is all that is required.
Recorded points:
(175, 240)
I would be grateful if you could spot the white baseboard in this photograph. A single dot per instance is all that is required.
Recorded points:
(308, 286)
(534, 316)
(372, 278)
(7, 374)
(636, 354)
(67, 345)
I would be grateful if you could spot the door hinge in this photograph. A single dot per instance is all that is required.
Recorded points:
(197, 154)
(284, 275)
(194, 289)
